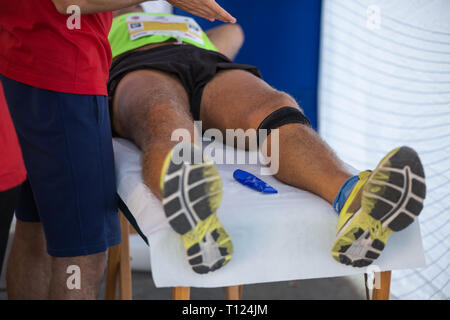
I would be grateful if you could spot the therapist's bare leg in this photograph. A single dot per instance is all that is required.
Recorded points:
(63, 283)
(305, 160)
(34, 275)
(28, 274)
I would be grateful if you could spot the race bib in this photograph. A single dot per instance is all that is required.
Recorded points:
(141, 25)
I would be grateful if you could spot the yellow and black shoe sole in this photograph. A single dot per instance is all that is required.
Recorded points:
(392, 198)
(191, 196)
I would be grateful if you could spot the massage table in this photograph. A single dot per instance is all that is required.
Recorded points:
(281, 237)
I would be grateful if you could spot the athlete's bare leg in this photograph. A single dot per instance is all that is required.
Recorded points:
(152, 105)
(306, 161)
(148, 106)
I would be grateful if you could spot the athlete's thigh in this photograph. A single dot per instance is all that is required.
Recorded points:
(149, 102)
(237, 99)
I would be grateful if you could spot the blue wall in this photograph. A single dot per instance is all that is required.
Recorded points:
(282, 39)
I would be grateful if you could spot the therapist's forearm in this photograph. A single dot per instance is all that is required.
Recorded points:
(94, 6)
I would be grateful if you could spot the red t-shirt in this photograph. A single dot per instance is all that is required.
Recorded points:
(37, 48)
(12, 169)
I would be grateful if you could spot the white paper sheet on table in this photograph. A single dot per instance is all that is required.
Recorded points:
(287, 236)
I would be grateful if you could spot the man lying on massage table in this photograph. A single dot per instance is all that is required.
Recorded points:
(167, 73)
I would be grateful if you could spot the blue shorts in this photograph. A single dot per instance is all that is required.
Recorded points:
(67, 148)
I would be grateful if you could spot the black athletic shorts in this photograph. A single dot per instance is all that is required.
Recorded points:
(194, 66)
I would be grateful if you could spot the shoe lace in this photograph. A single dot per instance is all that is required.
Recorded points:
(377, 230)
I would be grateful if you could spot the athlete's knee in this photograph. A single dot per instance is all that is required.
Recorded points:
(279, 109)
(273, 101)
(282, 98)
(279, 118)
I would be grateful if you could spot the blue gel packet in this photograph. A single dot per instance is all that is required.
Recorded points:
(249, 180)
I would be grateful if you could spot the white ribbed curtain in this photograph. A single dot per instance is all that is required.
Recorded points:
(385, 82)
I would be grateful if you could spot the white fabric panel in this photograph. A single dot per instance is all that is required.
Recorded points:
(280, 237)
(385, 82)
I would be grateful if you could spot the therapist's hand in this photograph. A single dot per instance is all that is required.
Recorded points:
(207, 9)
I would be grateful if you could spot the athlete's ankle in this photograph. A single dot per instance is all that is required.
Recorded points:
(343, 193)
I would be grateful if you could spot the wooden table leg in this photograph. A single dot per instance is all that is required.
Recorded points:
(181, 293)
(234, 292)
(383, 292)
(125, 265)
(381, 286)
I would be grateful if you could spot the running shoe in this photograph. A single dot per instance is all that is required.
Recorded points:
(383, 201)
(192, 193)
